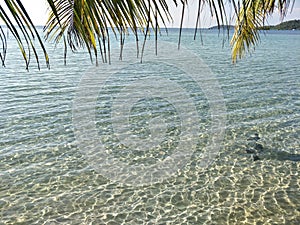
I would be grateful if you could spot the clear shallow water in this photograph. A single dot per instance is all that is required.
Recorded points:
(45, 179)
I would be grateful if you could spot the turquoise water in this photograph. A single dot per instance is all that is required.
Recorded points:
(46, 179)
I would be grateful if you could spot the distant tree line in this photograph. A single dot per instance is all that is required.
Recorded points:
(288, 25)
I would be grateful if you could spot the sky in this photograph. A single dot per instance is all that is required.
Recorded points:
(38, 11)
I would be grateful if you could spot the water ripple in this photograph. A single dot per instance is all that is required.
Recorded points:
(44, 179)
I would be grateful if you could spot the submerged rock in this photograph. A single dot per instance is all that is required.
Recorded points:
(255, 158)
(254, 147)
(250, 151)
(257, 151)
(258, 147)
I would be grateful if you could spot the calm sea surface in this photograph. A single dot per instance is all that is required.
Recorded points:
(45, 178)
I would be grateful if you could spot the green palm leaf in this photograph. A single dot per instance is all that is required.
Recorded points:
(86, 23)
(24, 33)
(251, 15)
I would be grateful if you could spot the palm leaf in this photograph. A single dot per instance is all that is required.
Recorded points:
(88, 23)
(250, 16)
(24, 33)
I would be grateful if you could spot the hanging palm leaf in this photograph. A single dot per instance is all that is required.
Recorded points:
(251, 15)
(24, 33)
(85, 23)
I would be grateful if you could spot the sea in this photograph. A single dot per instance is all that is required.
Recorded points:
(177, 134)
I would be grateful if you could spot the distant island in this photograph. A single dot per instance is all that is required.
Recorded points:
(221, 27)
(288, 25)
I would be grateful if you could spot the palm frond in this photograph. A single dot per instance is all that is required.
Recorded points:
(24, 31)
(86, 23)
(4, 46)
(251, 15)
